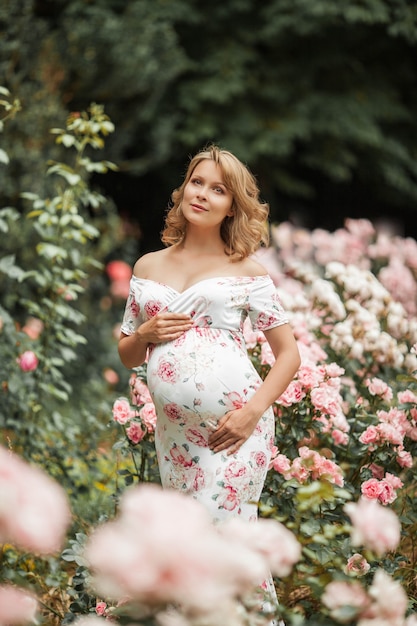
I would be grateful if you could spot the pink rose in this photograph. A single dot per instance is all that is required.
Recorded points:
(28, 361)
(374, 526)
(148, 415)
(122, 411)
(371, 488)
(214, 571)
(135, 433)
(101, 608)
(118, 270)
(16, 606)
(407, 396)
(357, 565)
(34, 512)
(293, 394)
(281, 464)
(389, 600)
(340, 438)
(339, 594)
(110, 376)
(404, 459)
(378, 387)
(370, 435)
(140, 391)
(33, 327)
(270, 538)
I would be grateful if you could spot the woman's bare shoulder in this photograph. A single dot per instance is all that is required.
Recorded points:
(147, 263)
(250, 267)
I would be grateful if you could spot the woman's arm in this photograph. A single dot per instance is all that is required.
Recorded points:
(162, 327)
(237, 426)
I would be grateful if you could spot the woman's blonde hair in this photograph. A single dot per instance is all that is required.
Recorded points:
(247, 229)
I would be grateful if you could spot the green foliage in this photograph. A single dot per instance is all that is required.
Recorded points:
(318, 97)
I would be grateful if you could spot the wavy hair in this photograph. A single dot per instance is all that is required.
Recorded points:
(247, 229)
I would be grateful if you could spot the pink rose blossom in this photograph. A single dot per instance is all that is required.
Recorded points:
(28, 361)
(378, 387)
(370, 435)
(122, 411)
(118, 270)
(310, 375)
(389, 600)
(377, 471)
(281, 464)
(186, 561)
(34, 511)
(338, 595)
(357, 565)
(135, 433)
(101, 608)
(371, 488)
(267, 356)
(326, 398)
(16, 606)
(33, 327)
(110, 376)
(148, 416)
(270, 538)
(404, 459)
(139, 390)
(293, 394)
(374, 526)
(407, 396)
(340, 438)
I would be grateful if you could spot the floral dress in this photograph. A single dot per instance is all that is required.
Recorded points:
(197, 378)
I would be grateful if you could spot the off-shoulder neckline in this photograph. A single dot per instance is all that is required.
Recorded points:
(202, 280)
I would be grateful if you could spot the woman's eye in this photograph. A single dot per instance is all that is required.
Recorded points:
(196, 181)
(218, 189)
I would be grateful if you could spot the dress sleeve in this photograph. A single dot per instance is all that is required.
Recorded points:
(131, 318)
(265, 308)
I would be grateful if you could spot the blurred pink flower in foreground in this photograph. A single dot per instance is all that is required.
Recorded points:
(189, 561)
(16, 606)
(340, 596)
(28, 361)
(374, 526)
(34, 511)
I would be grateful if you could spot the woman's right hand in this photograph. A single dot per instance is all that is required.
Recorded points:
(163, 327)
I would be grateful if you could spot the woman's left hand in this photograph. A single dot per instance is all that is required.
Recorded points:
(232, 430)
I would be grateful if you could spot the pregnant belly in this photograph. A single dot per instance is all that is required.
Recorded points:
(200, 380)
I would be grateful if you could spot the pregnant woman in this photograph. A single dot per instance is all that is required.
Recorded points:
(185, 315)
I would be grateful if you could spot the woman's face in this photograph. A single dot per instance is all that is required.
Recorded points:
(206, 200)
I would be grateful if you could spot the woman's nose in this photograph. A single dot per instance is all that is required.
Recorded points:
(201, 193)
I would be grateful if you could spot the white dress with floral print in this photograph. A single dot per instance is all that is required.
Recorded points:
(199, 377)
